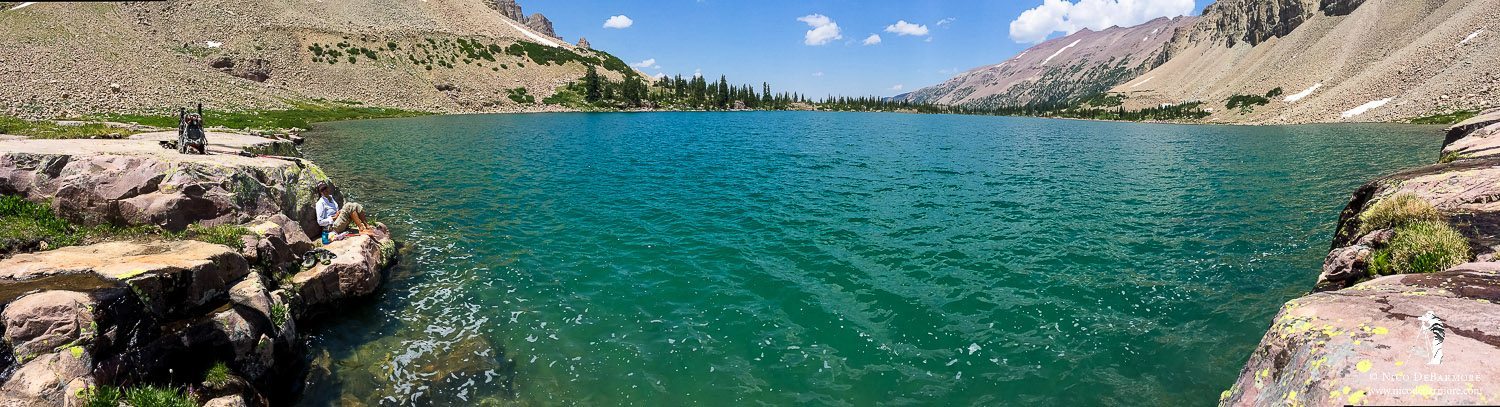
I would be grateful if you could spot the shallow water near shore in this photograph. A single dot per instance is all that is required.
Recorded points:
(830, 258)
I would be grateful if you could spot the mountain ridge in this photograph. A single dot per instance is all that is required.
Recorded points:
(1403, 59)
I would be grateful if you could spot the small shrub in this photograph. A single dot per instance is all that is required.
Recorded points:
(1274, 92)
(99, 396)
(520, 96)
(1421, 247)
(217, 376)
(1397, 210)
(153, 396)
(1246, 103)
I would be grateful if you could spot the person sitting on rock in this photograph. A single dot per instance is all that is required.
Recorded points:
(335, 219)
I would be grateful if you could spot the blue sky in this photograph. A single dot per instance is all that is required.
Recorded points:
(756, 41)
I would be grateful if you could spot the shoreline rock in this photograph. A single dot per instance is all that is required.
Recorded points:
(1360, 340)
(163, 312)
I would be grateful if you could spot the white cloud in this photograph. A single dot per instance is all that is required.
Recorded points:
(898, 87)
(1034, 25)
(945, 22)
(619, 22)
(648, 63)
(904, 28)
(873, 39)
(823, 31)
(818, 74)
(698, 73)
(659, 75)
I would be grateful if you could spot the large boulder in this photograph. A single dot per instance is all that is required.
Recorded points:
(251, 293)
(53, 379)
(355, 272)
(136, 182)
(171, 278)
(1368, 344)
(50, 321)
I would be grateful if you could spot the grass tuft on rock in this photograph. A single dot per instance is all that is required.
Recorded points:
(1397, 210)
(1421, 247)
(217, 376)
(99, 396)
(153, 396)
(228, 235)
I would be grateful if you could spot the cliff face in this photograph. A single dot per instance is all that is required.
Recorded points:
(1405, 339)
(1332, 60)
(271, 54)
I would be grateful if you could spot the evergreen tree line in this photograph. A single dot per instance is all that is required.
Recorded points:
(699, 93)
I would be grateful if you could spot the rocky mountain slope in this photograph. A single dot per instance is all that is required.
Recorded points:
(1331, 60)
(58, 59)
(1085, 63)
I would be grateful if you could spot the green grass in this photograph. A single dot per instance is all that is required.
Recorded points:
(46, 129)
(303, 116)
(99, 396)
(1395, 211)
(228, 235)
(153, 396)
(1446, 118)
(217, 376)
(279, 313)
(23, 224)
(1421, 247)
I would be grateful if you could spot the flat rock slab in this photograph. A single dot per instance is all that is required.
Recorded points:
(168, 276)
(1365, 345)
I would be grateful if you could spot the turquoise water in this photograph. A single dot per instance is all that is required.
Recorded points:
(830, 258)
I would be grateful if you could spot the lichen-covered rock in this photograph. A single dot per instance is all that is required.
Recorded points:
(49, 380)
(1368, 345)
(171, 278)
(355, 272)
(50, 321)
(136, 182)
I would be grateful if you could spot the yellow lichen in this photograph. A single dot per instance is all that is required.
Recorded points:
(1357, 397)
(1364, 366)
(1380, 330)
(1424, 390)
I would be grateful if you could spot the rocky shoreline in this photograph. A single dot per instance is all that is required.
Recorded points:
(161, 311)
(1363, 338)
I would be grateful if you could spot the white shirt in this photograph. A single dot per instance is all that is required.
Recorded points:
(326, 209)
